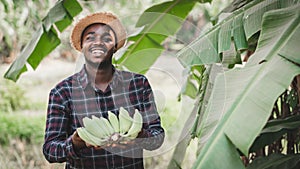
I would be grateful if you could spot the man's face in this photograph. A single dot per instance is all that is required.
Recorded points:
(98, 42)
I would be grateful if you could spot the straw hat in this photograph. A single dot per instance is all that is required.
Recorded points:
(100, 17)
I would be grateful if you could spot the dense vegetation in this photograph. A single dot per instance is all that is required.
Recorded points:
(242, 72)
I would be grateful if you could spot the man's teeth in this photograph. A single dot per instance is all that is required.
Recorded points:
(97, 51)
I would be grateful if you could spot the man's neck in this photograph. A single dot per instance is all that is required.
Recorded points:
(101, 76)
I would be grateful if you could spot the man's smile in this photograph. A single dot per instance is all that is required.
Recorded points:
(97, 50)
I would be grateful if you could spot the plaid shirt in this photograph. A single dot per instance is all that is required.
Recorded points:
(75, 98)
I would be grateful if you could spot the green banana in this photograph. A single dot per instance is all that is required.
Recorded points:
(100, 131)
(90, 126)
(90, 138)
(82, 134)
(108, 125)
(125, 120)
(136, 126)
(113, 119)
(99, 122)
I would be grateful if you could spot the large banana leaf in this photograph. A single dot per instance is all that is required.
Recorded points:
(45, 39)
(244, 97)
(239, 26)
(276, 161)
(158, 22)
(274, 130)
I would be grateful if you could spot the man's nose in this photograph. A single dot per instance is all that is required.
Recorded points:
(98, 41)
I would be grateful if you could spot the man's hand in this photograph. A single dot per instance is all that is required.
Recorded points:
(114, 145)
(78, 143)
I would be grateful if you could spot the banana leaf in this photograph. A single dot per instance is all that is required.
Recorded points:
(157, 22)
(45, 39)
(240, 26)
(275, 129)
(243, 98)
(276, 161)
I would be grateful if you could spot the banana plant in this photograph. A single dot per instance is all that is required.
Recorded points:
(45, 39)
(242, 98)
(18, 19)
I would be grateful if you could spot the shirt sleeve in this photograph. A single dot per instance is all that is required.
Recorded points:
(57, 145)
(153, 134)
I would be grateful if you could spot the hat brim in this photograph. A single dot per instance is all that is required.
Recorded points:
(101, 17)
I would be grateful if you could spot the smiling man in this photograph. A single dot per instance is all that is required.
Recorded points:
(96, 89)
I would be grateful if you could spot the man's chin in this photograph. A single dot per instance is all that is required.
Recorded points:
(101, 64)
(97, 57)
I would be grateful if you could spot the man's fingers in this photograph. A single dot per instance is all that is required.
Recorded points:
(122, 145)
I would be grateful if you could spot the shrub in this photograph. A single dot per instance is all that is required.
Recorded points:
(29, 128)
(12, 97)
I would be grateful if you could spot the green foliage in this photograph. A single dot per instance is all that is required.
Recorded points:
(15, 125)
(240, 26)
(242, 98)
(157, 23)
(195, 78)
(276, 161)
(45, 38)
(12, 97)
(245, 96)
(274, 130)
(18, 20)
(29, 128)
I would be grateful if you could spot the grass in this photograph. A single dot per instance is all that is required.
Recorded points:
(17, 120)
(29, 128)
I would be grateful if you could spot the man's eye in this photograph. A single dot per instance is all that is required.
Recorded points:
(107, 39)
(90, 38)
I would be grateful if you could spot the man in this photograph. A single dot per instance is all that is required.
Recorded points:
(98, 88)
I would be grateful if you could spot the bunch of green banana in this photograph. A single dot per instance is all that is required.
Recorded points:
(102, 131)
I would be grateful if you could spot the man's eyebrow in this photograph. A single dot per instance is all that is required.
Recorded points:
(106, 34)
(90, 33)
